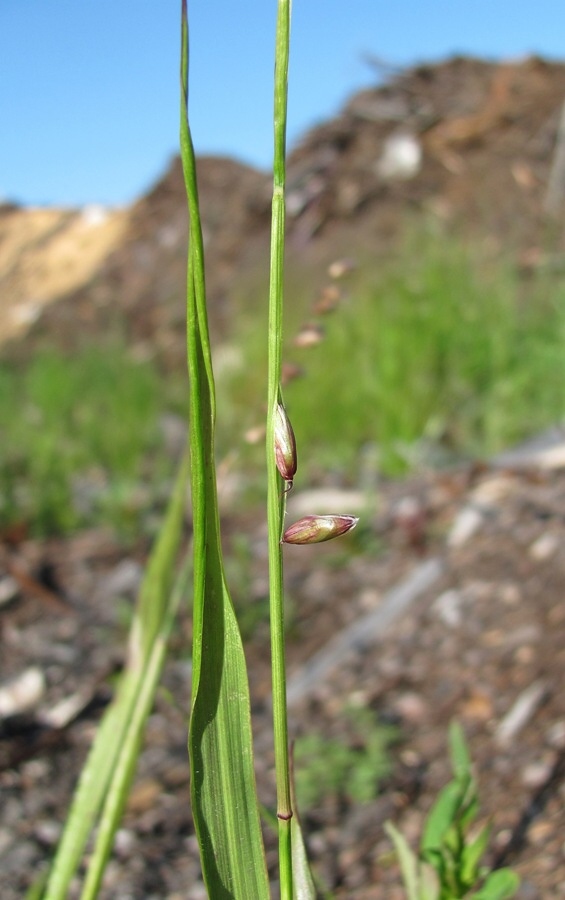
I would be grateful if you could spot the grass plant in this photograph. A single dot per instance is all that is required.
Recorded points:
(456, 356)
(349, 769)
(448, 864)
(80, 441)
(451, 355)
(225, 806)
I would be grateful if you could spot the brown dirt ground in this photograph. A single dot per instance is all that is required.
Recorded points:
(491, 626)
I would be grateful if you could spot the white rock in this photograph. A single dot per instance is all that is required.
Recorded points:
(8, 589)
(449, 606)
(544, 547)
(466, 524)
(401, 158)
(22, 693)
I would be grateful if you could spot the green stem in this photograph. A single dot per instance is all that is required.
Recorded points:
(276, 501)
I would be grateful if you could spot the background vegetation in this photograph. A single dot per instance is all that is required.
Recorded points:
(453, 353)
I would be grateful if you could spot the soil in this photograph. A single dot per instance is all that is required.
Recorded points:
(476, 633)
(447, 601)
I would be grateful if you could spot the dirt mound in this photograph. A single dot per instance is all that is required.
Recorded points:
(138, 282)
(48, 253)
(469, 143)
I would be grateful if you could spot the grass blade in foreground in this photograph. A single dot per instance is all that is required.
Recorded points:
(123, 722)
(303, 886)
(126, 761)
(224, 801)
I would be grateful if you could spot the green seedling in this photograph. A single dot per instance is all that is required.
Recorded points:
(351, 768)
(448, 865)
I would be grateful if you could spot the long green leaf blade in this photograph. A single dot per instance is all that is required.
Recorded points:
(442, 815)
(224, 801)
(302, 878)
(407, 859)
(126, 762)
(98, 771)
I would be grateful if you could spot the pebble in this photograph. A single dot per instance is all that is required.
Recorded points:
(6, 839)
(35, 770)
(536, 774)
(143, 795)
(47, 832)
(448, 607)
(466, 524)
(123, 580)
(520, 713)
(9, 589)
(411, 707)
(125, 842)
(539, 832)
(340, 267)
(555, 736)
(544, 547)
(22, 693)
(478, 706)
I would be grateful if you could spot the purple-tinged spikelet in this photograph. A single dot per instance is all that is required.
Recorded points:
(285, 446)
(315, 529)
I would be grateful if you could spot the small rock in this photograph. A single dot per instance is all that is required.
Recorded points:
(47, 832)
(520, 637)
(556, 735)
(125, 843)
(478, 706)
(22, 693)
(411, 707)
(539, 832)
(401, 158)
(536, 774)
(520, 713)
(509, 594)
(448, 607)
(9, 589)
(6, 839)
(67, 709)
(123, 580)
(467, 523)
(143, 795)
(309, 336)
(544, 547)
(340, 267)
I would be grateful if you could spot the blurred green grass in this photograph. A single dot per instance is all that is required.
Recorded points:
(443, 352)
(80, 440)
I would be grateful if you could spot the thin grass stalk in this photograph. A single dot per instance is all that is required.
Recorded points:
(127, 759)
(123, 721)
(276, 496)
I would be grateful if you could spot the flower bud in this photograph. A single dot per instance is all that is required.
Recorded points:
(315, 529)
(285, 445)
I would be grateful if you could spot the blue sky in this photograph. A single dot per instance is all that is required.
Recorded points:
(89, 88)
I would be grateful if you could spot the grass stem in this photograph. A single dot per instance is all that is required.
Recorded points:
(276, 499)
